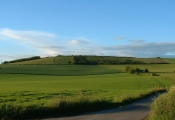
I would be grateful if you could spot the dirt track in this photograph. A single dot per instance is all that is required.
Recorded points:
(138, 110)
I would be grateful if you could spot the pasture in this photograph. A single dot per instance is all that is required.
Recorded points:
(43, 87)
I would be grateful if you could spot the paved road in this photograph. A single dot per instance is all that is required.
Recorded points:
(138, 110)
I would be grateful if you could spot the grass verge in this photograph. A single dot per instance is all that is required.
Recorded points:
(163, 107)
(66, 106)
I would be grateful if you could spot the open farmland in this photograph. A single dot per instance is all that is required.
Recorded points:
(63, 70)
(44, 88)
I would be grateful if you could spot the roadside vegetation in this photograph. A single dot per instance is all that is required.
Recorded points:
(43, 91)
(163, 107)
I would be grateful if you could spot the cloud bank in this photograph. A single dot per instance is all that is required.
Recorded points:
(49, 44)
(165, 49)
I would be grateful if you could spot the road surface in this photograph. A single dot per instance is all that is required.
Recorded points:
(138, 110)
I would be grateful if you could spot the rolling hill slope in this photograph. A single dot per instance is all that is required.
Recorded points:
(65, 60)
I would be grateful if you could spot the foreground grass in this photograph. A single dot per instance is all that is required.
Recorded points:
(163, 107)
(43, 91)
(58, 107)
(41, 96)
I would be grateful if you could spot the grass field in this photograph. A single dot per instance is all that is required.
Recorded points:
(37, 89)
(63, 70)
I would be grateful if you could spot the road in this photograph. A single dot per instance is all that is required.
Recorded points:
(138, 110)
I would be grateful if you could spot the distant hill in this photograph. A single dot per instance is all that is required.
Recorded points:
(171, 60)
(92, 60)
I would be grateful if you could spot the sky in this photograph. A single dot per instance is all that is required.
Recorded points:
(132, 28)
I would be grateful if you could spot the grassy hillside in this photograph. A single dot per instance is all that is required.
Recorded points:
(172, 60)
(97, 59)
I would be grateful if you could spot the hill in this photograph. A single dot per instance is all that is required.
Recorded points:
(171, 60)
(93, 60)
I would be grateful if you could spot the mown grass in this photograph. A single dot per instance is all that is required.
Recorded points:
(63, 70)
(163, 107)
(29, 96)
(76, 70)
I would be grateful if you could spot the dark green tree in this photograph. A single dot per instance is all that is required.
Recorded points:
(146, 70)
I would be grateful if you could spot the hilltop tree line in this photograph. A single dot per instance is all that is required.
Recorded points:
(23, 59)
(95, 60)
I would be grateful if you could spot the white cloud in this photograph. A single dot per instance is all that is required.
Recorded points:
(137, 41)
(120, 37)
(77, 42)
(143, 50)
(48, 44)
(32, 39)
(43, 43)
(13, 57)
(26, 36)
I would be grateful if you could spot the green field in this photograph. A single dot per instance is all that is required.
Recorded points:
(37, 87)
(63, 70)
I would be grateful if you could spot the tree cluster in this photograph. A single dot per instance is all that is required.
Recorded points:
(135, 70)
(103, 60)
(83, 60)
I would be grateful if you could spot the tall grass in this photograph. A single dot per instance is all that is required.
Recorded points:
(163, 107)
(66, 106)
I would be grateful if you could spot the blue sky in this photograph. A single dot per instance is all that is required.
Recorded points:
(138, 28)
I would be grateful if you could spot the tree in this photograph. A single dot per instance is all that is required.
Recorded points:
(69, 62)
(146, 70)
(129, 69)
